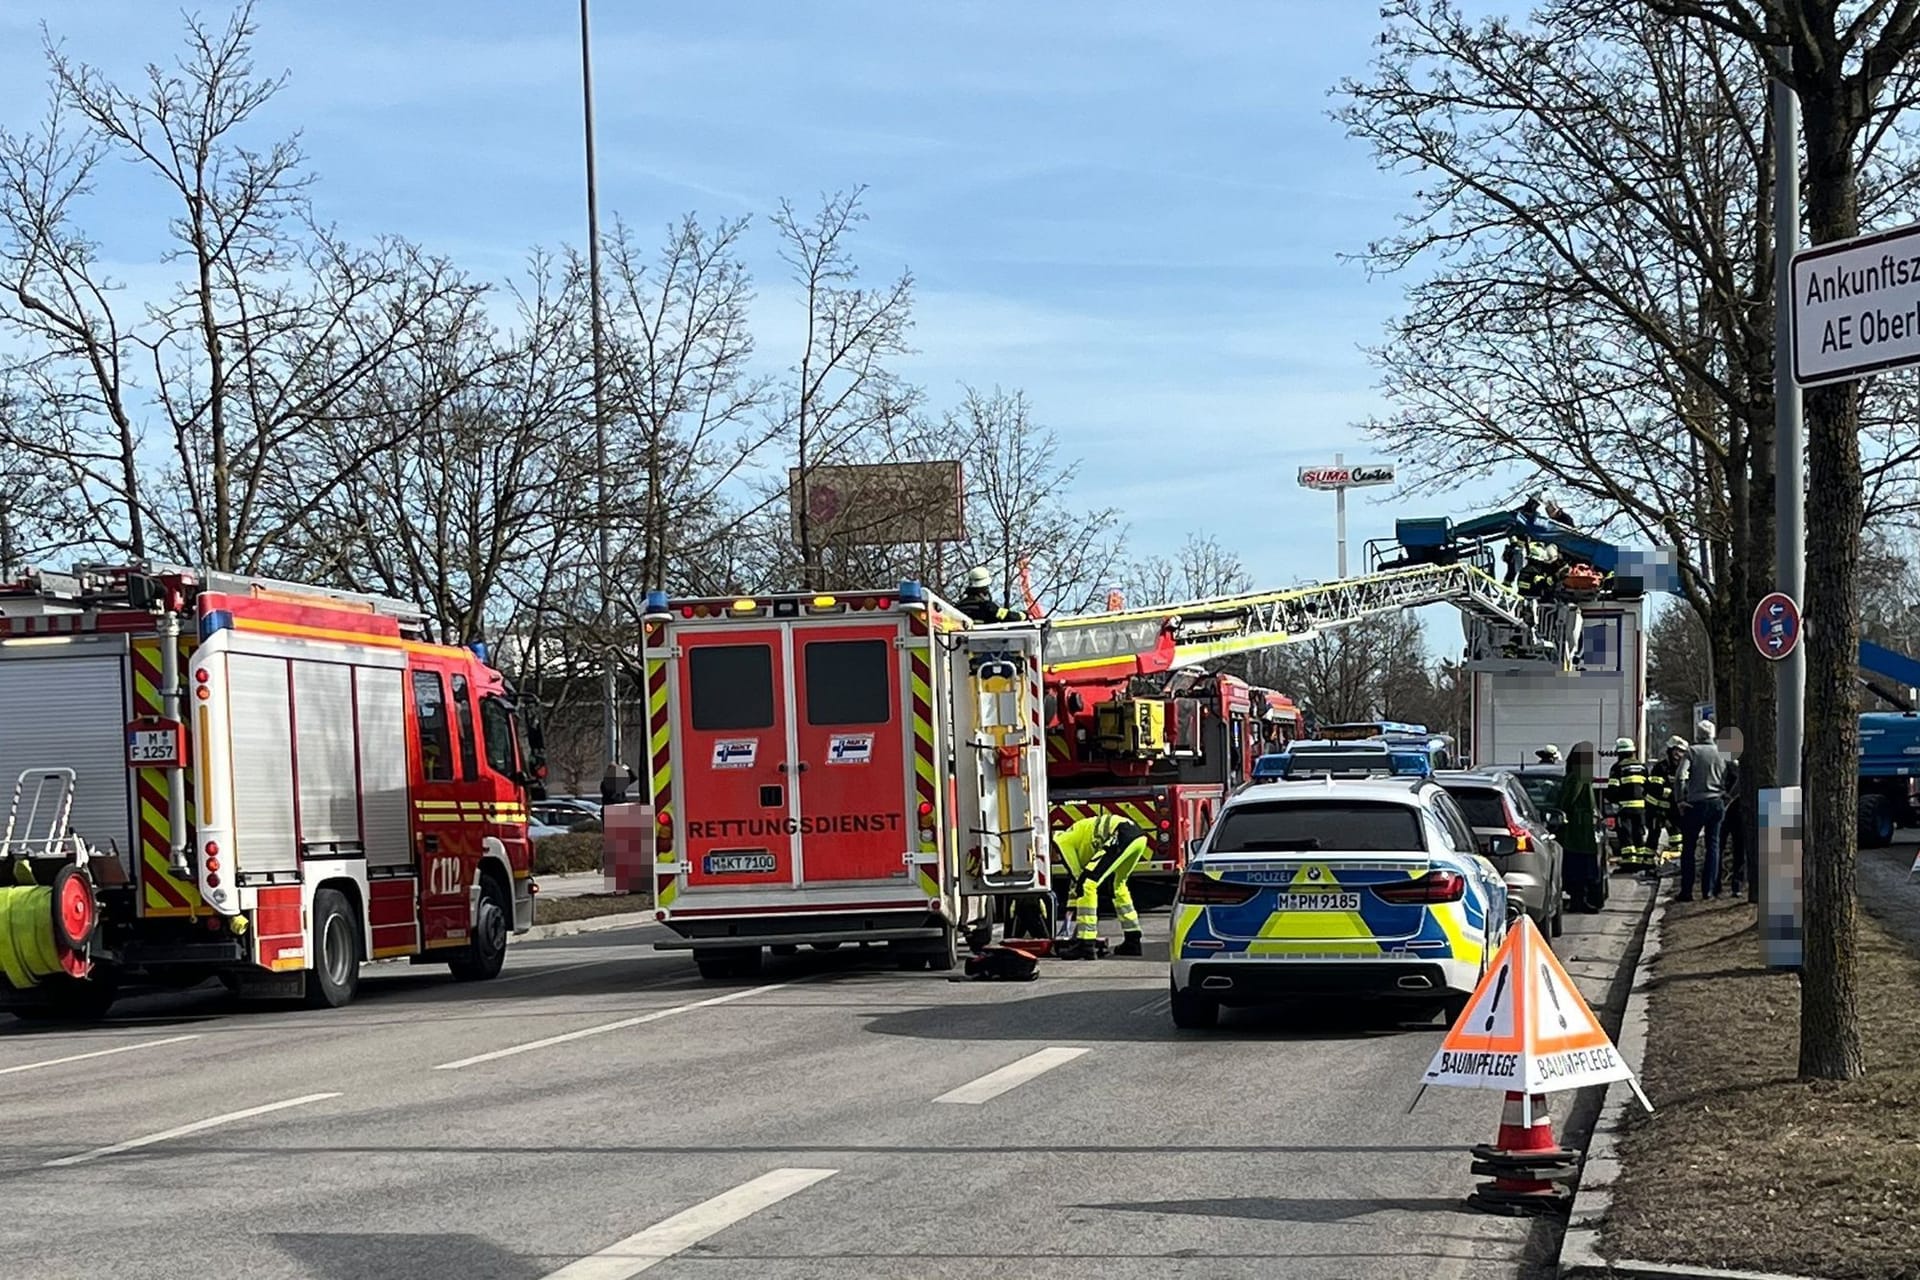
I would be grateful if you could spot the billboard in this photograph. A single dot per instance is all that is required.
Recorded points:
(880, 504)
(1346, 477)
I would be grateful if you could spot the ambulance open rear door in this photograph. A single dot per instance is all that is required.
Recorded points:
(1000, 765)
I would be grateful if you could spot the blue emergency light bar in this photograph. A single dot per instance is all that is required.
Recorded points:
(1312, 759)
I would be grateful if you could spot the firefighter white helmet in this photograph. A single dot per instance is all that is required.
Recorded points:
(1623, 746)
(979, 579)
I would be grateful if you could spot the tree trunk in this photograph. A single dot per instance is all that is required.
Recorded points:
(1830, 1046)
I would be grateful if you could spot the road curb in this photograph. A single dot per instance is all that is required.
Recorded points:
(593, 924)
(1593, 1197)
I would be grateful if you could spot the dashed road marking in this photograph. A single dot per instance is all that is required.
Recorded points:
(645, 1249)
(605, 1027)
(995, 1083)
(97, 1053)
(181, 1131)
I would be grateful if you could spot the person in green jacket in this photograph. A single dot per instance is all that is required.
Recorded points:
(1585, 871)
(1105, 847)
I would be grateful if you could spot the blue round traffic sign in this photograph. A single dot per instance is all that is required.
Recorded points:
(1776, 625)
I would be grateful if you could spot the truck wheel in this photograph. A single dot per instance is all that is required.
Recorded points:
(945, 956)
(335, 977)
(1876, 822)
(718, 964)
(488, 949)
(75, 999)
(1193, 1011)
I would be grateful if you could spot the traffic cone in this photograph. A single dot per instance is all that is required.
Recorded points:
(1529, 1169)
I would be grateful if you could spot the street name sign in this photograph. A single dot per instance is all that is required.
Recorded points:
(1856, 307)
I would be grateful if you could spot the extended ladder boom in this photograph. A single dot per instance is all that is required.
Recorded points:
(1167, 637)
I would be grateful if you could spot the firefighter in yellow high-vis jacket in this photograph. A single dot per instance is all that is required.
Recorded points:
(1097, 850)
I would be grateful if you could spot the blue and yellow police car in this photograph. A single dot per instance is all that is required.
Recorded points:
(1359, 887)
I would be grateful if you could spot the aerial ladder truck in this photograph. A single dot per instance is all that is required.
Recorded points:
(1138, 726)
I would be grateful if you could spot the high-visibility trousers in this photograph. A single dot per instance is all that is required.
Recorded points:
(1085, 902)
(1631, 820)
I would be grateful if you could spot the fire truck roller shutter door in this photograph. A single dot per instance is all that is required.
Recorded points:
(324, 729)
(65, 707)
(261, 727)
(382, 724)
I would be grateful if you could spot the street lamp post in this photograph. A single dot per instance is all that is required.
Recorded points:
(610, 713)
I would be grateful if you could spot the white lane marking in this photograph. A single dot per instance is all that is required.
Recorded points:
(605, 1027)
(97, 1053)
(646, 1249)
(182, 1131)
(995, 1083)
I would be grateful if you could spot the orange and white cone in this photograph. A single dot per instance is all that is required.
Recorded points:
(1529, 1169)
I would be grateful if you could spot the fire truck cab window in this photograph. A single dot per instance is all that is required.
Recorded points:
(731, 686)
(463, 716)
(496, 734)
(847, 682)
(436, 742)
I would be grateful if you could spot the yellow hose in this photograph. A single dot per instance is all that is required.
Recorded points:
(28, 949)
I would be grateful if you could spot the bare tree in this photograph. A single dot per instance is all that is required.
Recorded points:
(842, 393)
(242, 366)
(1678, 659)
(1852, 65)
(1019, 506)
(1199, 570)
(687, 411)
(1372, 669)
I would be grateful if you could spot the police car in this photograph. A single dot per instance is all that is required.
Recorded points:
(1360, 887)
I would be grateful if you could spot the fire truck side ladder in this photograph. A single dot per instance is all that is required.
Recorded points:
(1204, 630)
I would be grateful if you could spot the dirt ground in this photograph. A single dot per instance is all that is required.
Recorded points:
(585, 906)
(1744, 1166)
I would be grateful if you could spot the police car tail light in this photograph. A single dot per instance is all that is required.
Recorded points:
(1435, 886)
(1200, 890)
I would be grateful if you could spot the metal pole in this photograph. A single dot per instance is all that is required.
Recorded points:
(1340, 519)
(610, 712)
(1789, 491)
(1782, 819)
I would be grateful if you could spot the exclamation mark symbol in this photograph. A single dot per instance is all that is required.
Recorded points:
(1553, 993)
(1499, 986)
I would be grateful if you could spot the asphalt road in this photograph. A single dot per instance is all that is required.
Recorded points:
(599, 1111)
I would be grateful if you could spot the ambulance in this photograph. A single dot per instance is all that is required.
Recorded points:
(829, 769)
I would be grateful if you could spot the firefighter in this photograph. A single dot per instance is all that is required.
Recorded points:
(977, 600)
(1663, 799)
(1627, 793)
(1105, 847)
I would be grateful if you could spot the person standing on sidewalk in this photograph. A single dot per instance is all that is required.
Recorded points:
(1703, 807)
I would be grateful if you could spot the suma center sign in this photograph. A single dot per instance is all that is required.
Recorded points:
(1346, 477)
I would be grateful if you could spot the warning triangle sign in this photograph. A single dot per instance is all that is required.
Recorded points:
(1527, 1028)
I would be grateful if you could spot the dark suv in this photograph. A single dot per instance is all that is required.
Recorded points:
(1517, 836)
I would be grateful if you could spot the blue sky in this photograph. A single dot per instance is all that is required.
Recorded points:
(1135, 211)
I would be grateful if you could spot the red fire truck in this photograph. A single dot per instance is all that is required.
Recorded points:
(253, 780)
(849, 768)
(1161, 749)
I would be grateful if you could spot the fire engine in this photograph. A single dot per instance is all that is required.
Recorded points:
(249, 779)
(845, 768)
(1161, 750)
